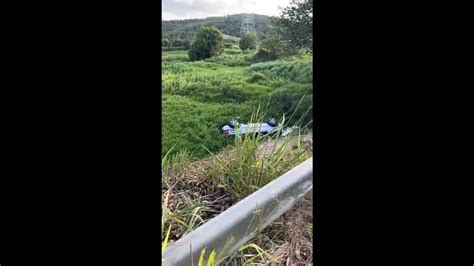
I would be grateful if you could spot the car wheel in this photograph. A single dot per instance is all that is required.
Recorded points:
(272, 122)
(233, 123)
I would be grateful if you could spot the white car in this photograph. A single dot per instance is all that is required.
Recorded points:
(260, 128)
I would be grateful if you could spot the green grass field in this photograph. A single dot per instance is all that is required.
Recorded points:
(200, 97)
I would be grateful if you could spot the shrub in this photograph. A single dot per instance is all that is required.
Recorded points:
(186, 44)
(233, 51)
(209, 42)
(264, 55)
(301, 72)
(256, 78)
(275, 47)
(295, 102)
(230, 60)
(248, 41)
(178, 42)
(165, 43)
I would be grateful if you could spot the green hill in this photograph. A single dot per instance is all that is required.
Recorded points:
(229, 25)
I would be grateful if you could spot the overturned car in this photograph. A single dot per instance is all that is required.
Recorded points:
(272, 126)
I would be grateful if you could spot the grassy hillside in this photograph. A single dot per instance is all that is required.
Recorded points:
(200, 97)
(229, 25)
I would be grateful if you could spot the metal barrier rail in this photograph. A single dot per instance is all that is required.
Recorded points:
(228, 231)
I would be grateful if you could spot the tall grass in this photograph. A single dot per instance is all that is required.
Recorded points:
(296, 71)
(199, 97)
(253, 165)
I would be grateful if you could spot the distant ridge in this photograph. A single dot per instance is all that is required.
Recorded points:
(229, 25)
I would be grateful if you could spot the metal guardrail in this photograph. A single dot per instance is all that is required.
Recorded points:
(228, 231)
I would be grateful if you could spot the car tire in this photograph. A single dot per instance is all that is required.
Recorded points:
(272, 122)
(233, 122)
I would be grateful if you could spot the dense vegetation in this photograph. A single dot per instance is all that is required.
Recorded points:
(229, 25)
(248, 41)
(295, 24)
(209, 43)
(214, 81)
(200, 97)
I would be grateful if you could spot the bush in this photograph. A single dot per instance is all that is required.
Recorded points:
(296, 105)
(178, 42)
(209, 43)
(274, 47)
(230, 60)
(165, 43)
(228, 45)
(186, 44)
(256, 78)
(233, 51)
(264, 55)
(248, 41)
(301, 72)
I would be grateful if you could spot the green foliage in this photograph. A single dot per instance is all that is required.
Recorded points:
(254, 166)
(178, 42)
(188, 123)
(175, 59)
(295, 24)
(231, 59)
(228, 25)
(248, 41)
(211, 261)
(186, 44)
(228, 39)
(257, 77)
(264, 55)
(274, 47)
(296, 104)
(214, 81)
(209, 42)
(301, 72)
(247, 257)
(200, 97)
(165, 43)
(232, 51)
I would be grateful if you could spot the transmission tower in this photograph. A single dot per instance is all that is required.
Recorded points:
(248, 24)
(248, 19)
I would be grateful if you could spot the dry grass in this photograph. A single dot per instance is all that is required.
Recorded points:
(195, 192)
(290, 238)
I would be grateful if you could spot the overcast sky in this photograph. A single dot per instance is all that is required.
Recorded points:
(185, 9)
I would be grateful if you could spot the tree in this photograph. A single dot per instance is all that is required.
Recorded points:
(165, 43)
(248, 41)
(209, 42)
(186, 44)
(178, 42)
(295, 24)
(271, 48)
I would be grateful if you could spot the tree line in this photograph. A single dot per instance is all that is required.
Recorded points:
(186, 30)
(291, 33)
